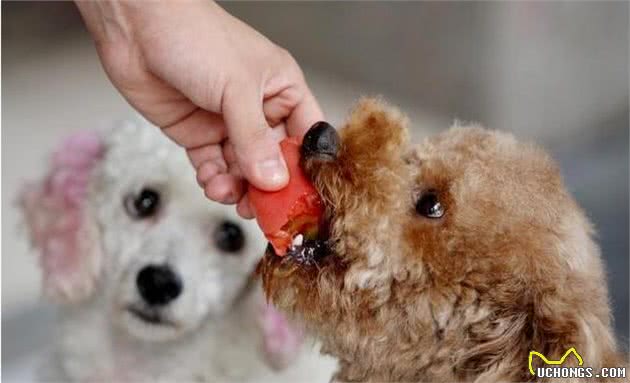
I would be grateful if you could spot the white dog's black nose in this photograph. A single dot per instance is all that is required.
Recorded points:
(158, 284)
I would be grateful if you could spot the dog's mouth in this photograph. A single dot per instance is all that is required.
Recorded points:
(304, 261)
(308, 252)
(149, 316)
(312, 249)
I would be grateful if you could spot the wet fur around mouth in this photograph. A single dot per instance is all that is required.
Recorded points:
(511, 266)
(306, 269)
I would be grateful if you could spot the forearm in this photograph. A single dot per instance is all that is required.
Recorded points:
(105, 20)
(111, 20)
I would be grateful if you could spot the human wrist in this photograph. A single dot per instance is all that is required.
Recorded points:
(107, 21)
(113, 20)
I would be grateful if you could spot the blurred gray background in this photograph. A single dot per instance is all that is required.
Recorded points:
(554, 72)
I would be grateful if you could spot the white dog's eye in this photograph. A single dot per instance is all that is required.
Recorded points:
(229, 237)
(143, 205)
(428, 205)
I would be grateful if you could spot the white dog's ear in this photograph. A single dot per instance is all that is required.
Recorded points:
(281, 340)
(60, 226)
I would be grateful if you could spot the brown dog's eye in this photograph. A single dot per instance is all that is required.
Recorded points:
(143, 205)
(428, 205)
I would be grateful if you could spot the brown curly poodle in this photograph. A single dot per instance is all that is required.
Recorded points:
(448, 261)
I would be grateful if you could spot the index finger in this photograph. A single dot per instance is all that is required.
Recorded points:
(306, 113)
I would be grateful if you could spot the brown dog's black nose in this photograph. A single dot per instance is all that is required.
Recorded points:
(321, 141)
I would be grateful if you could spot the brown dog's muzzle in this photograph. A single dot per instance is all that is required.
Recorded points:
(320, 144)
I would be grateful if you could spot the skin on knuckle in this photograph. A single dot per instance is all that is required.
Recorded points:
(215, 192)
(232, 88)
(285, 56)
(216, 90)
(116, 59)
(291, 67)
(284, 67)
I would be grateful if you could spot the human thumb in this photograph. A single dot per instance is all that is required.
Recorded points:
(257, 152)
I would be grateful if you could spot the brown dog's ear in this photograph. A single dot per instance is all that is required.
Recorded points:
(375, 135)
(549, 325)
(559, 326)
(59, 223)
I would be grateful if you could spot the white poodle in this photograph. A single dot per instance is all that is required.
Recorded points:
(154, 281)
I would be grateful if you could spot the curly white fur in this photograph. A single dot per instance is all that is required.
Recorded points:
(213, 330)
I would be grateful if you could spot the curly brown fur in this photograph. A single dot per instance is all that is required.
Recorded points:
(511, 266)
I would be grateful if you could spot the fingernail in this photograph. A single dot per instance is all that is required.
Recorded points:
(273, 172)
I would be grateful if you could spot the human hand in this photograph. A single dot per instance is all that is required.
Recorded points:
(213, 84)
